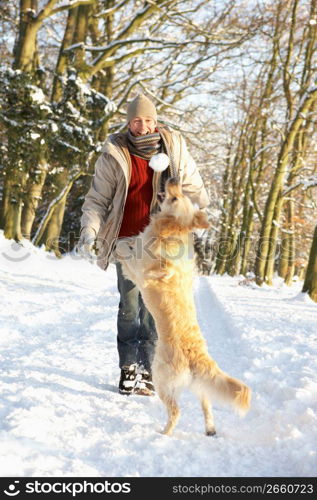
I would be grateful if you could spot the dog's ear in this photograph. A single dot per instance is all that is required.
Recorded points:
(200, 220)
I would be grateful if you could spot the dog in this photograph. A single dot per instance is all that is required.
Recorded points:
(164, 272)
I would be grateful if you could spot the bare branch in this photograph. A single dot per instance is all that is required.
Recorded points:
(113, 9)
(73, 5)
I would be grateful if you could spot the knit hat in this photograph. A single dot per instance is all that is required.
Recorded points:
(141, 106)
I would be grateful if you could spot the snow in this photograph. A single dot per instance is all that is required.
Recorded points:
(46, 108)
(34, 136)
(54, 127)
(309, 182)
(61, 414)
(110, 107)
(74, 111)
(36, 94)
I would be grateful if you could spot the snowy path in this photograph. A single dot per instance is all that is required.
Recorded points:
(280, 328)
(60, 411)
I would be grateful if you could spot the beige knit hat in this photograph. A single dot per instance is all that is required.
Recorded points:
(141, 106)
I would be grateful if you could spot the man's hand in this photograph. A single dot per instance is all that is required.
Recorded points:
(86, 243)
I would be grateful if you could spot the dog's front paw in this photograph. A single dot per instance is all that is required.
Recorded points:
(200, 220)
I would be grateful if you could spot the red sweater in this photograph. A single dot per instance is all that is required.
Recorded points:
(136, 215)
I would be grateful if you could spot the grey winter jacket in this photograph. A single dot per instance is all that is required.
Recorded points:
(104, 203)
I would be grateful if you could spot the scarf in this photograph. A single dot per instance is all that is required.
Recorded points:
(144, 146)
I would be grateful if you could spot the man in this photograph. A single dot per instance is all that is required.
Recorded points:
(118, 204)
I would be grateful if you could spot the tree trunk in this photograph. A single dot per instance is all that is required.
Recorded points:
(238, 182)
(270, 214)
(14, 188)
(62, 57)
(13, 204)
(271, 256)
(220, 257)
(16, 171)
(247, 244)
(228, 236)
(32, 197)
(286, 266)
(258, 130)
(50, 227)
(310, 283)
(25, 47)
(54, 228)
(79, 37)
(309, 66)
(235, 263)
(103, 81)
(50, 236)
(284, 254)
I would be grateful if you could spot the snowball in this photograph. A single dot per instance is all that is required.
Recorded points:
(159, 162)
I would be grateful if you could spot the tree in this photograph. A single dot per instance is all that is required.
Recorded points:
(310, 283)
(104, 50)
(231, 77)
(296, 120)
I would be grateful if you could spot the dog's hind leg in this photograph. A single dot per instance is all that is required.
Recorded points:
(209, 418)
(172, 412)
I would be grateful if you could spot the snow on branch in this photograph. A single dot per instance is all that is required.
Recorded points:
(143, 14)
(268, 146)
(308, 98)
(306, 183)
(116, 7)
(72, 4)
(127, 92)
(45, 11)
(120, 43)
(152, 94)
(106, 62)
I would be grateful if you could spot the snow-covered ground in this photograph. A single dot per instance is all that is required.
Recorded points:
(61, 414)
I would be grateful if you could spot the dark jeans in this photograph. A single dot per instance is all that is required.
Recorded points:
(136, 328)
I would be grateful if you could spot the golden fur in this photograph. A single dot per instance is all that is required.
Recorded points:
(164, 275)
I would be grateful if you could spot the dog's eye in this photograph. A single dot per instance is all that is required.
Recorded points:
(173, 199)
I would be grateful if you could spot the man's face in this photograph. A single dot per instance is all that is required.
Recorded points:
(142, 125)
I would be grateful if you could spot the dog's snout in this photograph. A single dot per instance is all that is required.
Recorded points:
(173, 187)
(173, 181)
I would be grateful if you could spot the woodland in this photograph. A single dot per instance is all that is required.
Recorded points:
(237, 78)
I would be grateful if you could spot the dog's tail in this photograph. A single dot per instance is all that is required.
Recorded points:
(210, 380)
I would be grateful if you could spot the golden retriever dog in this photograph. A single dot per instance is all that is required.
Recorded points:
(164, 272)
